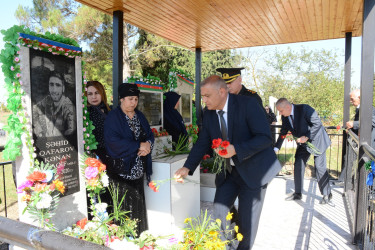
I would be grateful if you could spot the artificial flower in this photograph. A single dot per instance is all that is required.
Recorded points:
(39, 187)
(82, 223)
(36, 176)
(236, 229)
(49, 175)
(45, 201)
(24, 185)
(93, 182)
(92, 162)
(59, 185)
(105, 180)
(91, 172)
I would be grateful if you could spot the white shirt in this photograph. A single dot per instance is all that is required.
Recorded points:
(225, 116)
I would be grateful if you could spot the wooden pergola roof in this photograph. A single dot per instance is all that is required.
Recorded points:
(226, 24)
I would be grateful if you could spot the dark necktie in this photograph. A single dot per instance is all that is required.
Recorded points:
(224, 134)
(291, 117)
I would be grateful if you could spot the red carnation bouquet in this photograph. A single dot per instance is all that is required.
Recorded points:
(219, 161)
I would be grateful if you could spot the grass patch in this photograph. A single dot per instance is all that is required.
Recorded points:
(333, 154)
(6, 171)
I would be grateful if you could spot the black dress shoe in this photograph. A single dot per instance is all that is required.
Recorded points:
(326, 199)
(294, 196)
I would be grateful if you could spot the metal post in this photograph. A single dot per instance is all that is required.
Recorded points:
(30, 237)
(198, 77)
(365, 112)
(118, 44)
(347, 85)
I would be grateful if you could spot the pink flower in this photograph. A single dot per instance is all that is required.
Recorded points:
(88, 147)
(91, 172)
(66, 54)
(84, 129)
(18, 75)
(25, 184)
(11, 68)
(49, 49)
(17, 59)
(61, 49)
(21, 83)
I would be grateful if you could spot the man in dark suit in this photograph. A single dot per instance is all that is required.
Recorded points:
(355, 100)
(232, 76)
(253, 163)
(305, 125)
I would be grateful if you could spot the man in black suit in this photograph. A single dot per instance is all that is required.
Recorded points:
(304, 124)
(355, 100)
(253, 163)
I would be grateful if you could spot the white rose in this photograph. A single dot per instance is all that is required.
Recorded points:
(105, 180)
(45, 201)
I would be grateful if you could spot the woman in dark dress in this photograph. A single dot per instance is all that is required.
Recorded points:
(129, 140)
(271, 117)
(173, 121)
(98, 109)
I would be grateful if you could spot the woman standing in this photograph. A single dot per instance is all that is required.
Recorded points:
(173, 121)
(129, 140)
(98, 109)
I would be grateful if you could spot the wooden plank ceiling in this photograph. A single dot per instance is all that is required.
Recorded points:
(226, 24)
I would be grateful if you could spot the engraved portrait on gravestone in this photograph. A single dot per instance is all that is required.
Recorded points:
(54, 122)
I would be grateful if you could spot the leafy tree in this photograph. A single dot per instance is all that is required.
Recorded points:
(156, 56)
(84, 24)
(311, 77)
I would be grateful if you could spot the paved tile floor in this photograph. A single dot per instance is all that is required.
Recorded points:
(303, 224)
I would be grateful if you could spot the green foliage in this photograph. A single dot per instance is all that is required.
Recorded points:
(157, 56)
(311, 77)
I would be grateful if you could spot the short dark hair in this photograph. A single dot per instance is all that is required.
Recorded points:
(214, 80)
(57, 75)
(282, 102)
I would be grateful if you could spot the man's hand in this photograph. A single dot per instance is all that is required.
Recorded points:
(230, 149)
(349, 124)
(180, 174)
(302, 139)
(276, 149)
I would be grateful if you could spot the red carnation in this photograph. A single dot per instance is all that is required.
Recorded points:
(223, 152)
(82, 223)
(338, 127)
(205, 157)
(283, 136)
(225, 144)
(216, 143)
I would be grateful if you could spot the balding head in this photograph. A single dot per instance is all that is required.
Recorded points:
(284, 107)
(355, 97)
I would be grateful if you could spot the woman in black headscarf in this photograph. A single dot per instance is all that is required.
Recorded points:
(271, 117)
(129, 140)
(173, 122)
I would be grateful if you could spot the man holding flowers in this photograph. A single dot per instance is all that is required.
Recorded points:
(305, 125)
(250, 163)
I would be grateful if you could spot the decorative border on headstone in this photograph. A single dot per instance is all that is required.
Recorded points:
(19, 120)
(173, 74)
